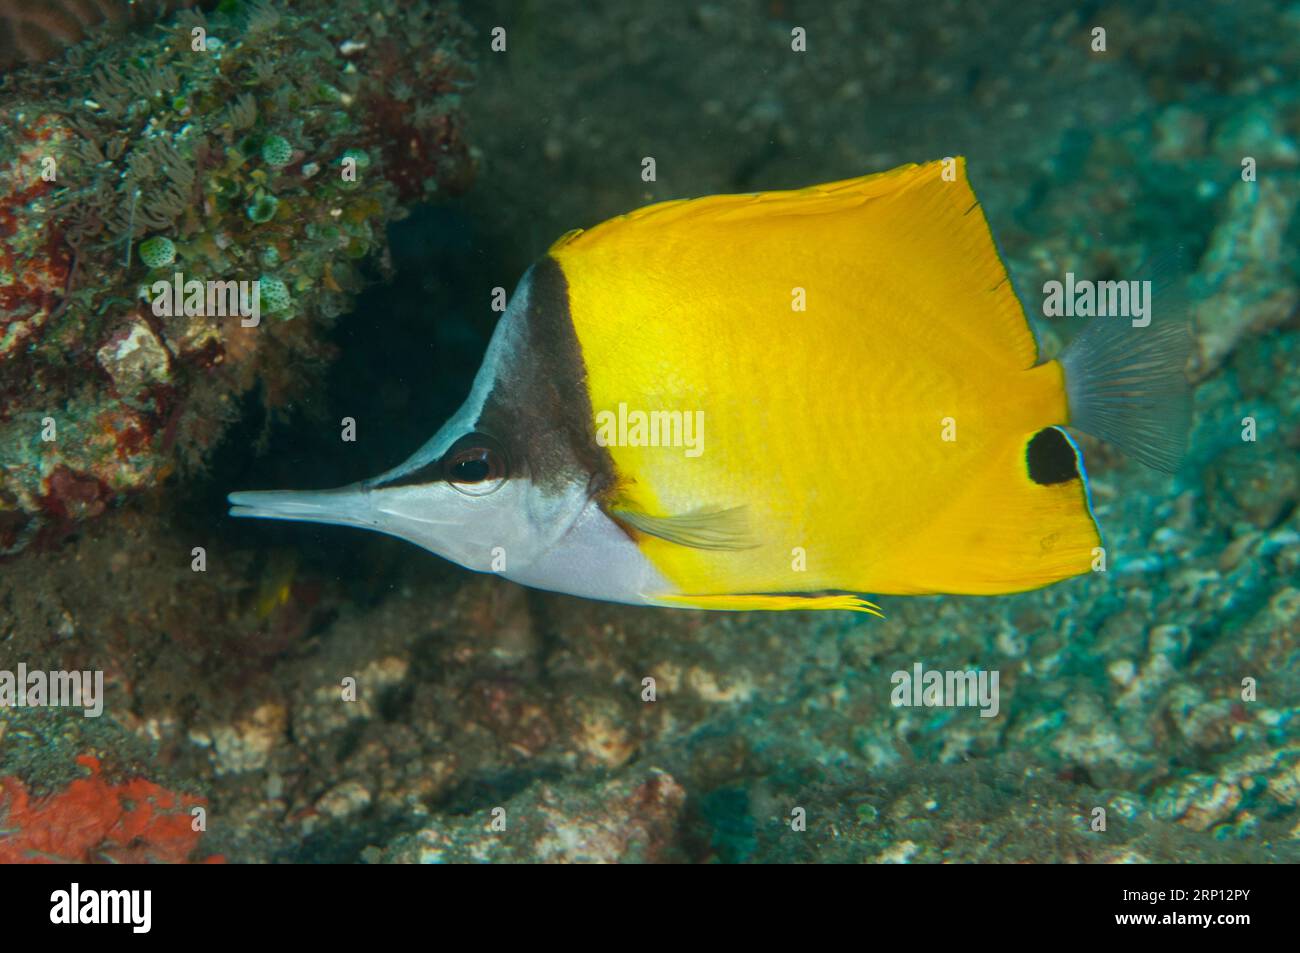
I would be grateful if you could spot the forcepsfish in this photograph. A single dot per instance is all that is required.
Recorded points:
(782, 400)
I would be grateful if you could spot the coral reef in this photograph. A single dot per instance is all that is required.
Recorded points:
(265, 143)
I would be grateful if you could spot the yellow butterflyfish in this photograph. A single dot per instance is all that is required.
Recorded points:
(774, 401)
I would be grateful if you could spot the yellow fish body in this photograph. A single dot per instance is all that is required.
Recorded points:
(786, 400)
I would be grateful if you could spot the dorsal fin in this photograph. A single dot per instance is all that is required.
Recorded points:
(910, 217)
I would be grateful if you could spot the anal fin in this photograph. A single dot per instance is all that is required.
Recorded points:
(746, 602)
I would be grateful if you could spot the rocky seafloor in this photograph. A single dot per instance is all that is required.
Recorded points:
(327, 695)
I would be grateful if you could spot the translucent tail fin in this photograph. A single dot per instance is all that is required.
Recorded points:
(1126, 380)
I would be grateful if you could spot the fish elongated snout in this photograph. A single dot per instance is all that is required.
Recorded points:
(439, 519)
(344, 506)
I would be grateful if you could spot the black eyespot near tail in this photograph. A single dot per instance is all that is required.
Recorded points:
(1050, 458)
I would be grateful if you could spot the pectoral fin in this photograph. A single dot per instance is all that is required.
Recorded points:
(701, 529)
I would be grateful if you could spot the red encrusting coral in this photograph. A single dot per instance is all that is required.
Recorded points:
(94, 821)
(73, 496)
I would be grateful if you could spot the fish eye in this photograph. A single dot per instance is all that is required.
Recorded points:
(475, 464)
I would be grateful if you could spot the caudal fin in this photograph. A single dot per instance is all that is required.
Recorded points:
(1126, 381)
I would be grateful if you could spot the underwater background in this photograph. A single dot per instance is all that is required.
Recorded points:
(1165, 691)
